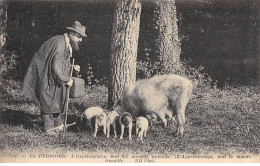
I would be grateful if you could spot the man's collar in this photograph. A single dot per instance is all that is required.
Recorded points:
(68, 45)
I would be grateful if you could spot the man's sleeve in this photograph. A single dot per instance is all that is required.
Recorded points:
(58, 64)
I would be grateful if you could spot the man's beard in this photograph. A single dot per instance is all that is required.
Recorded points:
(75, 46)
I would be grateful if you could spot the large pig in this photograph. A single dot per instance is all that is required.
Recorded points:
(162, 95)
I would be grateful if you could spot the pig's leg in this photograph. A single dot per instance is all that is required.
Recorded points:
(141, 134)
(96, 127)
(114, 127)
(130, 130)
(181, 105)
(122, 131)
(137, 132)
(88, 125)
(161, 115)
(105, 128)
(145, 132)
(108, 130)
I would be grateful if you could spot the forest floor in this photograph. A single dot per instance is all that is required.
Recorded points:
(221, 124)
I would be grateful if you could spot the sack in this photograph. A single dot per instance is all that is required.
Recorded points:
(78, 87)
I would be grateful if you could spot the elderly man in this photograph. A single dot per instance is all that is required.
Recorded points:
(47, 78)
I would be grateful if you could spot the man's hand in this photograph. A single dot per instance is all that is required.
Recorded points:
(77, 68)
(70, 83)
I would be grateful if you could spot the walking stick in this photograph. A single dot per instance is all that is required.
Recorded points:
(67, 103)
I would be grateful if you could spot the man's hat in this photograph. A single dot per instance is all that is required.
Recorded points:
(77, 27)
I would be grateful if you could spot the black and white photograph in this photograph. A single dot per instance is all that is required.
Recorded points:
(129, 81)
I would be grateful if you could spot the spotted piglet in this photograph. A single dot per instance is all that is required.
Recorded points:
(125, 121)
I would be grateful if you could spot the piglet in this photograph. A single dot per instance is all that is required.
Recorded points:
(90, 113)
(141, 127)
(126, 120)
(112, 118)
(100, 121)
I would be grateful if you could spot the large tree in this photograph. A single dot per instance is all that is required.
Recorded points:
(124, 46)
(257, 7)
(169, 48)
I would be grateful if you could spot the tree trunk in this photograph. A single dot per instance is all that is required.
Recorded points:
(257, 6)
(168, 41)
(3, 24)
(124, 46)
(3, 34)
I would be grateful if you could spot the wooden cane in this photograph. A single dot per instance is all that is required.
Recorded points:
(67, 102)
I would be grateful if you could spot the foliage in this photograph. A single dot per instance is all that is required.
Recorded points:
(146, 69)
(10, 89)
(90, 76)
(9, 63)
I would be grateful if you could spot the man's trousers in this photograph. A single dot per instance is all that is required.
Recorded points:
(51, 121)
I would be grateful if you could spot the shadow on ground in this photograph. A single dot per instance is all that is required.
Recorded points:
(33, 121)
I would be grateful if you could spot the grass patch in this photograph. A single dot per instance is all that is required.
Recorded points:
(217, 122)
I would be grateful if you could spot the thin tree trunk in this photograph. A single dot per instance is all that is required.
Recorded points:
(3, 34)
(124, 46)
(168, 41)
(3, 24)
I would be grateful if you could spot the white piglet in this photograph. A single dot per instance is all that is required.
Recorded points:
(100, 121)
(141, 127)
(125, 121)
(90, 113)
(112, 118)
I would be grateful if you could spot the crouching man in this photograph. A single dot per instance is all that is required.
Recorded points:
(47, 78)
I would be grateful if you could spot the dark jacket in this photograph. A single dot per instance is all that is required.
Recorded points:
(47, 74)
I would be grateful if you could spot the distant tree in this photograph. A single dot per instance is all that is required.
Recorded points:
(124, 46)
(3, 34)
(168, 43)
